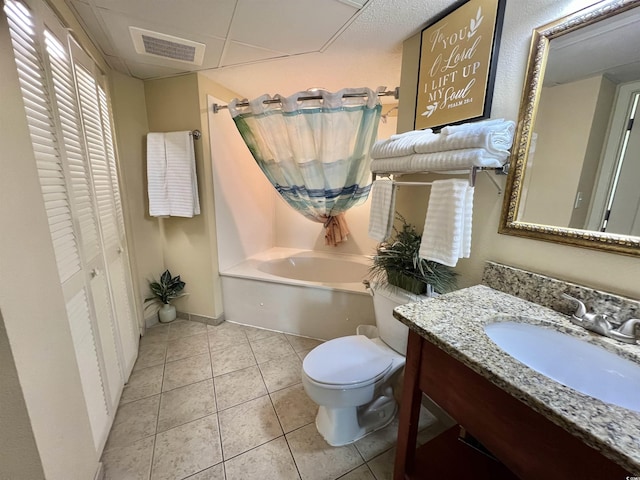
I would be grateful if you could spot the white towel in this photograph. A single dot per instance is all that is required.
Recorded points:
(171, 173)
(438, 161)
(400, 144)
(494, 142)
(156, 175)
(383, 206)
(447, 228)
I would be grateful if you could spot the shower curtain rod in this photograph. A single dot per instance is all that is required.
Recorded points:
(395, 92)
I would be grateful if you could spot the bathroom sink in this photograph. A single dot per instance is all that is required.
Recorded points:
(570, 361)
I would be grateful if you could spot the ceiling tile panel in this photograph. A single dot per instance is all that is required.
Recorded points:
(292, 26)
(147, 71)
(238, 53)
(207, 17)
(118, 27)
(92, 24)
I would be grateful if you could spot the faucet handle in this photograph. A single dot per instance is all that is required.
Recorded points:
(581, 309)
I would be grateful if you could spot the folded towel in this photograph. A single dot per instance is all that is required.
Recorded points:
(494, 142)
(171, 174)
(156, 175)
(447, 227)
(491, 124)
(383, 206)
(438, 161)
(400, 144)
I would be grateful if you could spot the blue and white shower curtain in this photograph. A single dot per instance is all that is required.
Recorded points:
(314, 152)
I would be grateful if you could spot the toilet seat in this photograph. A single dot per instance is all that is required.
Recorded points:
(347, 362)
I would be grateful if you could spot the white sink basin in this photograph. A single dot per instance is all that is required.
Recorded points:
(582, 366)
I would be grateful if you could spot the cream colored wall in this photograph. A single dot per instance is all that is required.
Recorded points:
(560, 151)
(606, 271)
(143, 232)
(33, 309)
(172, 105)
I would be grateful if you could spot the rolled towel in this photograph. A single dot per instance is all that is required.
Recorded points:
(383, 206)
(444, 227)
(399, 145)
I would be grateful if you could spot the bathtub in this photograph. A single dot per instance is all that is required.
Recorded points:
(313, 294)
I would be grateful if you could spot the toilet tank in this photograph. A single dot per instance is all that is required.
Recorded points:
(385, 298)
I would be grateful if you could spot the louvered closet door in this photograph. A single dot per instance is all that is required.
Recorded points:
(95, 115)
(45, 75)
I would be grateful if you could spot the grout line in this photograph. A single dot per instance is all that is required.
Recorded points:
(215, 401)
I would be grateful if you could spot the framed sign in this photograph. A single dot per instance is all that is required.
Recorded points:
(458, 55)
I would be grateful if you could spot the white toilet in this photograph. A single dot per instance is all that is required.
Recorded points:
(351, 378)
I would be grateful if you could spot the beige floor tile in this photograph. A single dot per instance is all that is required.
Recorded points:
(294, 408)
(248, 425)
(187, 449)
(134, 421)
(282, 372)
(226, 335)
(143, 383)
(150, 355)
(155, 334)
(185, 328)
(360, 473)
(382, 465)
(185, 404)
(303, 353)
(214, 473)
(184, 347)
(132, 462)
(238, 387)
(233, 358)
(254, 333)
(316, 460)
(271, 461)
(270, 348)
(186, 371)
(301, 344)
(379, 441)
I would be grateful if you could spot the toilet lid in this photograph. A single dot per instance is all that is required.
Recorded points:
(346, 361)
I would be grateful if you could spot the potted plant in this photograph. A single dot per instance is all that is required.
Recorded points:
(397, 262)
(167, 289)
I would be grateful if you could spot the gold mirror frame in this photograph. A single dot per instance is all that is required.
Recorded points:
(538, 53)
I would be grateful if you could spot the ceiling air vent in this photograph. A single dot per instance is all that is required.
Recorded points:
(161, 45)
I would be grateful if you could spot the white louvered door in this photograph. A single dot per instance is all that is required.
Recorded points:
(76, 195)
(96, 117)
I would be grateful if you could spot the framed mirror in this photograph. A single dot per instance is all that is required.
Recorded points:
(575, 166)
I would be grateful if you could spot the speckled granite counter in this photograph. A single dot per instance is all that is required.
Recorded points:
(454, 322)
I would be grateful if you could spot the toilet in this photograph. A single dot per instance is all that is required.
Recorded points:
(351, 378)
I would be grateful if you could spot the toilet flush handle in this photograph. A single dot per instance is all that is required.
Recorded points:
(367, 285)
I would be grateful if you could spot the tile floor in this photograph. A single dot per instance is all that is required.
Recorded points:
(226, 402)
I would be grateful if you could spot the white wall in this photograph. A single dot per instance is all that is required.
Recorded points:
(606, 271)
(244, 197)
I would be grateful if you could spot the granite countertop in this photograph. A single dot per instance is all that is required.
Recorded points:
(454, 322)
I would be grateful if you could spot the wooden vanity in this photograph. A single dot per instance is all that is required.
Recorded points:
(532, 428)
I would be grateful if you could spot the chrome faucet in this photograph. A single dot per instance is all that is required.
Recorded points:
(603, 324)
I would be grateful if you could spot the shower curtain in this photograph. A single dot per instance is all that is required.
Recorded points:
(314, 152)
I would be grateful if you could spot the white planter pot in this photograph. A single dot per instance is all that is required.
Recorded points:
(167, 313)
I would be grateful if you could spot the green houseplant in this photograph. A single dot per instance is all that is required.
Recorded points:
(167, 289)
(397, 262)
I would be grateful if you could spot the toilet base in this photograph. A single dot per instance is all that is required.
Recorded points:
(342, 426)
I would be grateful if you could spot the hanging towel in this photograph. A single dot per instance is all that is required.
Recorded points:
(171, 173)
(383, 206)
(447, 227)
(156, 175)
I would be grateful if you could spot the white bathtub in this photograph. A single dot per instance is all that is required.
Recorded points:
(314, 294)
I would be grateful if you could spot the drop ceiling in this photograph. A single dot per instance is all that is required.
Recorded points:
(257, 46)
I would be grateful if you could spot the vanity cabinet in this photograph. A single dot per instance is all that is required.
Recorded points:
(527, 444)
